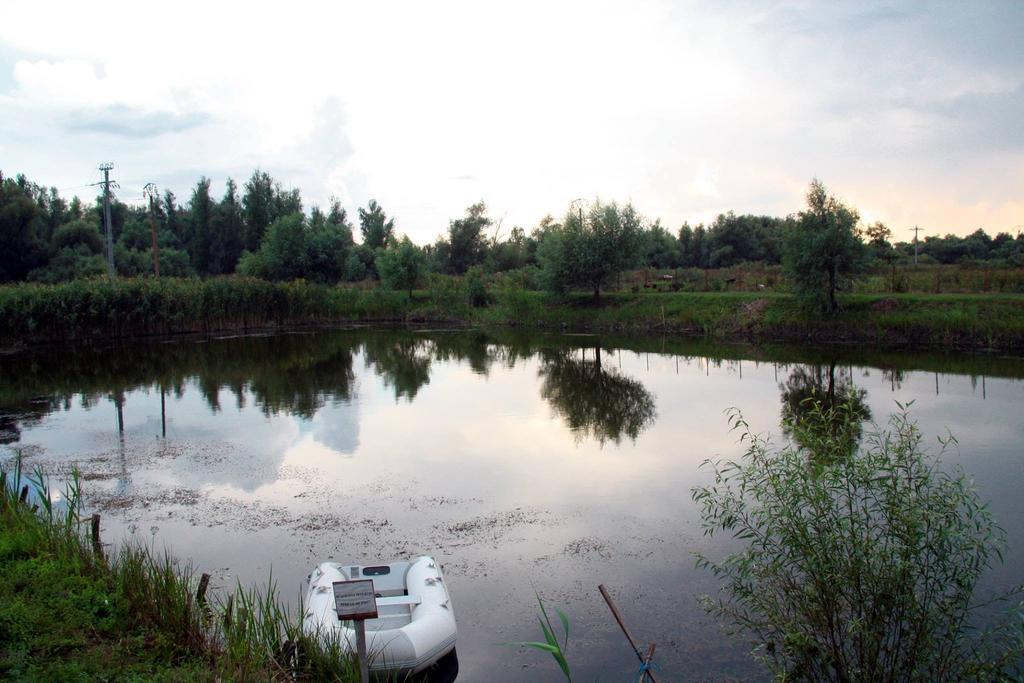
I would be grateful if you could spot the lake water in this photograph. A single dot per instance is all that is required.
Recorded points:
(525, 464)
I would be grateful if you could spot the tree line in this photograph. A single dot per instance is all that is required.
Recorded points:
(264, 230)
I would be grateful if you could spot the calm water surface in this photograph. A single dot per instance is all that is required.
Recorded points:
(546, 463)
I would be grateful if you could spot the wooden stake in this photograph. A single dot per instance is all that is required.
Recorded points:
(227, 612)
(364, 669)
(204, 582)
(622, 625)
(647, 662)
(97, 545)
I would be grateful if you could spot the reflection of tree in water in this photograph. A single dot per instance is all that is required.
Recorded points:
(402, 361)
(26, 415)
(473, 348)
(594, 400)
(894, 377)
(822, 412)
(295, 376)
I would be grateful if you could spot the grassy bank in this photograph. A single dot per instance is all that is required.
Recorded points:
(74, 311)
(72, 611)
(956, 321)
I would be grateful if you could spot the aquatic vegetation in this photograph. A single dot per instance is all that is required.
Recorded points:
(551, 644)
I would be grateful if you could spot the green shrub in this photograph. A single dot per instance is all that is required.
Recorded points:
(447, 295)
(476, 287)
(860, 568)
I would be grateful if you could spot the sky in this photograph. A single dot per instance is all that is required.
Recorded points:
(911, 112)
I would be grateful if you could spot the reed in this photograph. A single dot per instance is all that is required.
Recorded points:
(551, 645)
(133, 308)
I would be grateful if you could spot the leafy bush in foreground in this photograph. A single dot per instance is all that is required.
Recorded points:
(862, 568)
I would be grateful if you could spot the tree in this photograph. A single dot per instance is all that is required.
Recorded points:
(283, 253)
(878, 234)
(467, 244)
(76, 251)
(401, 265)
(174, 223)
(21, 247)
(258, 206)
(661, 248)
(589, 251)
(227, 228)
(329, 244)
(822, 250)
(377, 229)
(200, 233)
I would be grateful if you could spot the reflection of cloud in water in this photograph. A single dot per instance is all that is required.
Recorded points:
(337, 427)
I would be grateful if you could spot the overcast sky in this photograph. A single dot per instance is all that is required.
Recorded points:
(912, 112)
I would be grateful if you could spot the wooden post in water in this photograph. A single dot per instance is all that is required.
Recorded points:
(97, 546)
(622, 624)
(204, 583)
(647, 662)
(227, 612)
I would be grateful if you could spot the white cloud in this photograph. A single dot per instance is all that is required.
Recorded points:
(686, 110)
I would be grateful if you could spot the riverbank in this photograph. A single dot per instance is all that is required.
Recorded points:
(33, 314)
(74, 609)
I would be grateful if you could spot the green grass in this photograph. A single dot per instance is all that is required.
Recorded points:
(954, 321)
(31, 313)
(69, 613)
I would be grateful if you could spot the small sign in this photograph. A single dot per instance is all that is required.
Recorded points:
(355, 600)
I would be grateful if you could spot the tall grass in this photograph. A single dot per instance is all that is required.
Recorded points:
(144, 306)
(150, 597)
(96, 309)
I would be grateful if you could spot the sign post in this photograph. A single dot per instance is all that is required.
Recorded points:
(355, 600)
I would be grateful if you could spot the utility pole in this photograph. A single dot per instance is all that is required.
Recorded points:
(105, 167)
(578, 203)
(915, 244)
(150, 191)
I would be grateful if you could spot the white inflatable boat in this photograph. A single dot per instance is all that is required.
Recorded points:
(415, 624)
